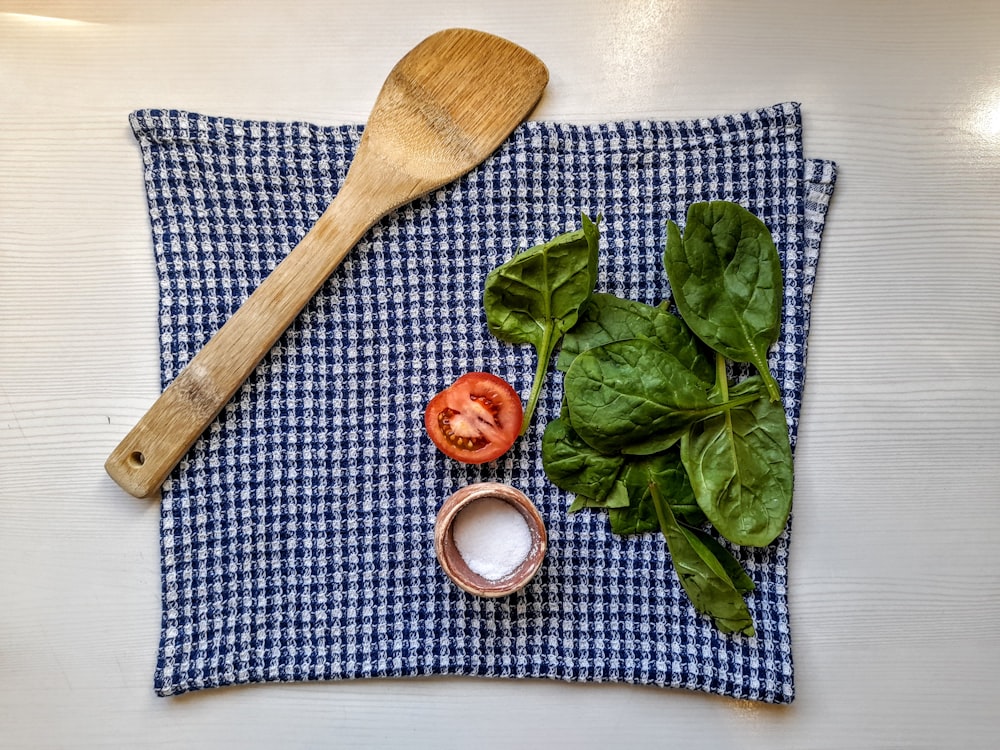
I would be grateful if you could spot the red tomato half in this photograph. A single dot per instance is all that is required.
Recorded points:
(476, 419)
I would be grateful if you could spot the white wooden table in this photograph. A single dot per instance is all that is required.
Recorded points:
(895, 574)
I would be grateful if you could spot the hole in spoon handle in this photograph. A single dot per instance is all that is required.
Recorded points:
(147, 455)
(150, 451)
(134, 472)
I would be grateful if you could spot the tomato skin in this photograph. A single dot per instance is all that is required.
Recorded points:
(476, 419)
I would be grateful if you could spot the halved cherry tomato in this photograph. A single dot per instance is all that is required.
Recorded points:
(476, 419)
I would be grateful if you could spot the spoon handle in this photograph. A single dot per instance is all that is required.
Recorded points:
(150, 451)
(445, 107)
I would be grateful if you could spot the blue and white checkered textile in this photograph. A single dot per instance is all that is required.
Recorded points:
(297, 535)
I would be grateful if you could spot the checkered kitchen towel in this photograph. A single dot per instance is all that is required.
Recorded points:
(297, 534)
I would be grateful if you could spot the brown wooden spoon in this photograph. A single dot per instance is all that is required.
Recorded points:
(445, 107)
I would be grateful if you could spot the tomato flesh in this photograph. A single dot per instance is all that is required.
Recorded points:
(476, 419)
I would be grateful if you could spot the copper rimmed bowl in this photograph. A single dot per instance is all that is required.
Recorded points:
(451, 559)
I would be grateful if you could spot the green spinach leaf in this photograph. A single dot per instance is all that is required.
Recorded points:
(726, 279)
(638, 517)
(616, 498)
(615, 482)
(574, 466)
(666, 470)
(741, 581)
(607, 318)
(740, 466)
(536, 296)
(634, 397)
(702, 575)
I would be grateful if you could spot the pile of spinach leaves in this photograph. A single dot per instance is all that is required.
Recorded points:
(652, 429)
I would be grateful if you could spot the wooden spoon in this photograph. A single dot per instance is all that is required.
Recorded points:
(445, 107)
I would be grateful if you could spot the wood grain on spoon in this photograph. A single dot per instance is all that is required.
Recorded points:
(444, 108)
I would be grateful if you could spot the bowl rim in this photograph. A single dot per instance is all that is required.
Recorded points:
(451, 559)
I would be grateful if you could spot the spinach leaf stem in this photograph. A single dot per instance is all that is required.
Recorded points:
(721, 377)
(545, 348)
(773, 391)
(727, 405)
(660, 506)
(722, 383)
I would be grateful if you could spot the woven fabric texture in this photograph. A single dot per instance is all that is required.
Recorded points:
(297, 535)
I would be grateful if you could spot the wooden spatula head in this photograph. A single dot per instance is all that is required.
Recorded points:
(448, 104)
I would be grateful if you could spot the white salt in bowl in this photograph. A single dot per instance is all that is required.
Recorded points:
(500, 531)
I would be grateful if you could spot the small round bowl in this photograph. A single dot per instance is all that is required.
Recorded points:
(451, 559)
